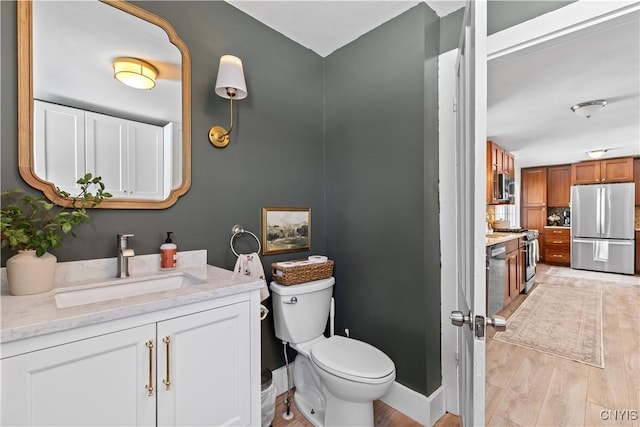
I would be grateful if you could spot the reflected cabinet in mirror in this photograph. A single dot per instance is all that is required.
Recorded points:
(75, 116)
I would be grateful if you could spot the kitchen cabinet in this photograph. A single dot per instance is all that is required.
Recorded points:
(533, 215)
(602, 171)
(514, 274)
(534, 187)
(194, 369)
(130, 156)
(558, 186)
(557, 246)
(498, 161)
(636, 178)
(535, 218)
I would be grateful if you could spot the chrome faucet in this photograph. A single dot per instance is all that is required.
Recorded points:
(124, 253)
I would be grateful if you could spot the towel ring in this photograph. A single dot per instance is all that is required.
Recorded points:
(237, 230)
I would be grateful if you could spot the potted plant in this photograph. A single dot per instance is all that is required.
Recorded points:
(31, 225)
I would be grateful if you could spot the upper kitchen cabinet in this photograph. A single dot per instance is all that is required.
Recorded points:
(534, 187)
(499, 163)
(559, 186)
(636, 178)
(601, 171)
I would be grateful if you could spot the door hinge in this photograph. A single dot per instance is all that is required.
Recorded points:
(455, 106)
(457, 358)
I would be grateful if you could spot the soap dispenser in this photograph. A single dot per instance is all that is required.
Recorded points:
(168, 253)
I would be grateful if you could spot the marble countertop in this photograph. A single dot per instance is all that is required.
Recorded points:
(495, 238)
(34, 315)
(567, 227)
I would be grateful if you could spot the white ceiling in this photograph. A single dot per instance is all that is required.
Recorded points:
(530, 94)
(326, 25)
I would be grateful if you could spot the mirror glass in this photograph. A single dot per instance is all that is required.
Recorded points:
(76, 118)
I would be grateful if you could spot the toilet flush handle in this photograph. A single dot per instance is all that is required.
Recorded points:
(293, 300)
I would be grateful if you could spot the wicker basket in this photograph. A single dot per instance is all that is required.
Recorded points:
(301, 273)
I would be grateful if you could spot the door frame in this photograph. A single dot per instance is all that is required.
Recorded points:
(560, 22)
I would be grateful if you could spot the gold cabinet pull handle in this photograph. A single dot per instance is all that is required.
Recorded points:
(149, 386)
(167, 381)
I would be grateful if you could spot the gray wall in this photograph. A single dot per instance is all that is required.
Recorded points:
(382, 192)
(275, 157)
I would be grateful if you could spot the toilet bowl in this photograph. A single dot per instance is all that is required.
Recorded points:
(336, 378)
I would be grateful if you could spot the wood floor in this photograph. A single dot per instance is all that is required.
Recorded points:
(529, 388)
(384, 415)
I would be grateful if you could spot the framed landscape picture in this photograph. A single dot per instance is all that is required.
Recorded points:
(285, 230)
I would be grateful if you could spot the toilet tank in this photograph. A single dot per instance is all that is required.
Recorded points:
(306, 318)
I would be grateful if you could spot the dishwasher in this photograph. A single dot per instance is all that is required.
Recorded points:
(496, 266)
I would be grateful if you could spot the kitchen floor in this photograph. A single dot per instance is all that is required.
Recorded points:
(525, 387)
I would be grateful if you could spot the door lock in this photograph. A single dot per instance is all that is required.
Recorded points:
(459, 319)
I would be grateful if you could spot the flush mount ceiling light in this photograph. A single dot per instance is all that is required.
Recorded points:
(596, 154)
(135, 73)
(231, 85)
(589, 108)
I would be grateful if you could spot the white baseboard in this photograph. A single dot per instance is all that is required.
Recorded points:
(423, 409)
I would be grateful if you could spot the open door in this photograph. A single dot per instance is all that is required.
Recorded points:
(471, 109)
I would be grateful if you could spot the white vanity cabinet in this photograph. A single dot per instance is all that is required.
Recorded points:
(187, 368)
(130, 156)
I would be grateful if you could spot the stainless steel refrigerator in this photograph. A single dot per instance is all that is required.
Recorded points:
(602, 227)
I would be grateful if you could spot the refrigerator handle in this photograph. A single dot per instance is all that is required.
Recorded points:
(603, 215)
(598, 210)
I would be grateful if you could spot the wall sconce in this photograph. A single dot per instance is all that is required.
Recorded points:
(135, 73)
(230, 85)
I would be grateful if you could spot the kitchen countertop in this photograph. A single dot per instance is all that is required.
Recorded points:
(558, 226)
(495, 238)
(34, 315)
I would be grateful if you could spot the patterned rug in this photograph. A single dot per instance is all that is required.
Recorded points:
(593, 275)
(559, 320)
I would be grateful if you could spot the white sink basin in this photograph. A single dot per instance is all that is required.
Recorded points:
(122, 288)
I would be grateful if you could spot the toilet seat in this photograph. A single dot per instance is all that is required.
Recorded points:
(353, 360)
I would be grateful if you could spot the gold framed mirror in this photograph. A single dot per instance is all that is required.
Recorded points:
(169, 156)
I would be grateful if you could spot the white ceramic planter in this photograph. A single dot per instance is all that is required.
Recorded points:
(29, 274)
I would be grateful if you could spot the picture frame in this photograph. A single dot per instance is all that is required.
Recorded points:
(285, 230)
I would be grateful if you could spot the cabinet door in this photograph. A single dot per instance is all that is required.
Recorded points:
(107, 152)
(585, 173)
(534, 187)
(59, 150)
(535, 219)
(559, 186)
(492, 173)
(617, 170)
(146, 161)
(96, 381)
(207, 362)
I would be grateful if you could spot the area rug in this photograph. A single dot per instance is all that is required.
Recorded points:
(593, 275)
(559, 320)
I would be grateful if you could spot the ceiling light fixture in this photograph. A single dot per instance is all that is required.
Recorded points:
(135, 73)
(596, 154)
(589, 108)
(231, 85)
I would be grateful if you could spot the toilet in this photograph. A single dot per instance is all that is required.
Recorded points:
(336, 378)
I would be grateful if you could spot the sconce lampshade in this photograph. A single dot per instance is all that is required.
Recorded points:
(135, 73)
(231, 75)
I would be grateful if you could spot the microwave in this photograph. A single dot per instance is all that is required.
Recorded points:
(505, 188)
